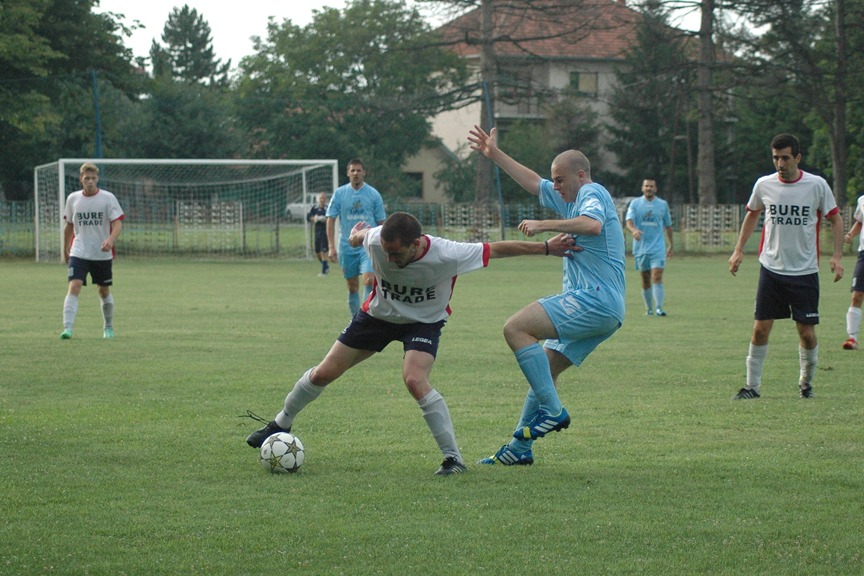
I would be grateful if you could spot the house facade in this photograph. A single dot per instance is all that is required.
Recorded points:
(541, 50)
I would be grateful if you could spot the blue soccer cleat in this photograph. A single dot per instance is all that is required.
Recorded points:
(542, 424)
(506, 456)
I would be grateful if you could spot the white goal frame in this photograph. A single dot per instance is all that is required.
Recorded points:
(49, 203)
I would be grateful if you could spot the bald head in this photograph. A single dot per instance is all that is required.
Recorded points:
(573, 161)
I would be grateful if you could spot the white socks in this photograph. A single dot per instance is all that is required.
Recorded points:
(302, 394)
(437, 417)
(755, 360)
(853, 321)
(108, 311)
(70, 310)
(808, 360)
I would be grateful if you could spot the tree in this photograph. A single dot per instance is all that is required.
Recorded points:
(811, 52)
(182, 120)
(188, 111)
(188, 52)
(650, 107)
(47, 82)
(361, 82)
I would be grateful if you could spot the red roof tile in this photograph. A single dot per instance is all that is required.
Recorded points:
(589, 29)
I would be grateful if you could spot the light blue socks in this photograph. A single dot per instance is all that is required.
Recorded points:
(535, 366)
(657, 290)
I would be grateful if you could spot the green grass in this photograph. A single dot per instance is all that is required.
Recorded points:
(128, 456)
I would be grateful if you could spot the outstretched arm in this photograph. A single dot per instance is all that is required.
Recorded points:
(581, 226)
(487, 145)
(562, 245)
(358, 234)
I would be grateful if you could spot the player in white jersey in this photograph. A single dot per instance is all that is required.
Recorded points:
(590, 307)
(649, 220)
(94, 220)
(414, 278)
(794, 203)
(354, 202)
(853, 315)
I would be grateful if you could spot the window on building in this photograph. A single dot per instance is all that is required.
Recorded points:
(584, 82)
(415, 189)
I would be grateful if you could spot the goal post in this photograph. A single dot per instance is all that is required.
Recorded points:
(202, 208)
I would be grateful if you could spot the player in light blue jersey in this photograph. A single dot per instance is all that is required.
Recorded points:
(591, 306)
(648, 219)
(351, 203)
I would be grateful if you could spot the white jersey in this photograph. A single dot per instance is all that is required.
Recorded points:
(859, 216)
(421, 291)
(91, 217)
(793, 213)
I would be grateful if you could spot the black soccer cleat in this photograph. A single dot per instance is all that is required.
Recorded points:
(805, 392)
(450, 466)
(746, 394)
(257, 438)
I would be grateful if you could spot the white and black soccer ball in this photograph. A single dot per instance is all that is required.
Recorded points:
(282, 452)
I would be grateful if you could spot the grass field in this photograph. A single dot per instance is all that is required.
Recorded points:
(128, 456)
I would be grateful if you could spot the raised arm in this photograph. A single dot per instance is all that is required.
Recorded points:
(487, 145)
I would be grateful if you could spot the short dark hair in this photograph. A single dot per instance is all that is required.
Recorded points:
(401, 227)
(782, 141)
(356, 161)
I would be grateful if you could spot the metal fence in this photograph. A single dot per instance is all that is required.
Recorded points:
(697, 229)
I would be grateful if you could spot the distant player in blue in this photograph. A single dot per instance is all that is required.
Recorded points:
(591, 306)
(354, 202)
(648, 220)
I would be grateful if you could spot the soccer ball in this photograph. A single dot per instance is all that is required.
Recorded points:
(282, 452)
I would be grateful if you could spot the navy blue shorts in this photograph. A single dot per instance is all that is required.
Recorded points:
(858, 276)
(321, 243)
(780, 296)
(368, 333)
(99, 270)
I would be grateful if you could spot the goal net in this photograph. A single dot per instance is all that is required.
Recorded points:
(203, 208)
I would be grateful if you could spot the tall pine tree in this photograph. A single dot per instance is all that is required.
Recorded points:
(187, 53)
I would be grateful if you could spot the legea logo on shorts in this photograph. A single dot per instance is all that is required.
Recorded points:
(812, 315)
(423, 340)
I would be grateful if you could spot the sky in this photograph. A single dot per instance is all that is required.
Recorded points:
(231, 23)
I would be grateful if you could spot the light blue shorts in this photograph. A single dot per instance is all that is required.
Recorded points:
(645, 262)
(580, 324)
(354, 263)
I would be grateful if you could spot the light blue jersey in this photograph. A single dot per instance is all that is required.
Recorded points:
(352, 206)
(652, 218)
(598, 270)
